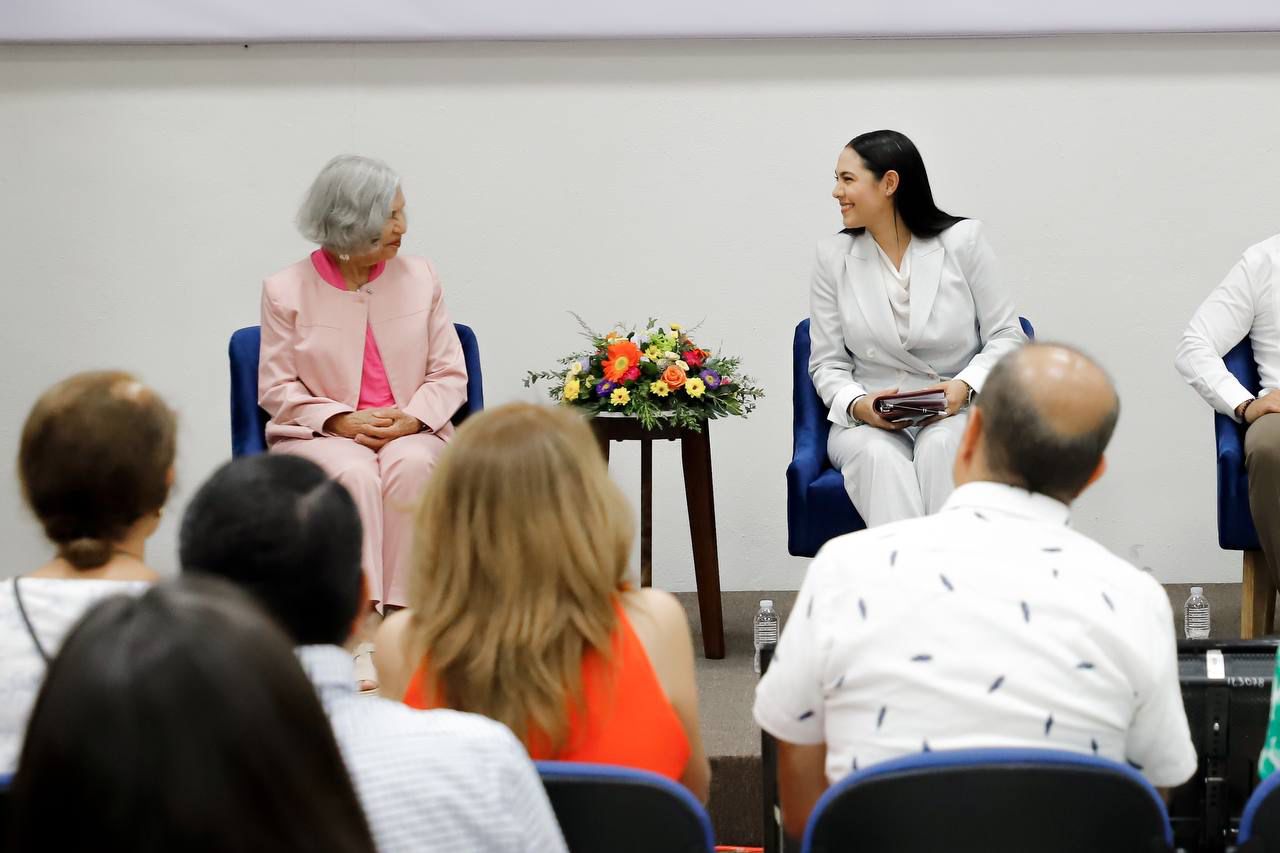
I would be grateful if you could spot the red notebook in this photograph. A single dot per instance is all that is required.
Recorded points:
(912, 405)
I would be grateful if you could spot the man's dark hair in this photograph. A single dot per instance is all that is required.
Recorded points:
(278, 527)
(181, 720)
(1026, 449)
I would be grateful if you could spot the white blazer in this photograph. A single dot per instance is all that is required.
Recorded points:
(962, 317)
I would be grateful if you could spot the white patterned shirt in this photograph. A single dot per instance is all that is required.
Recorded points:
(53, 605)
(432, 780)
(989, 624)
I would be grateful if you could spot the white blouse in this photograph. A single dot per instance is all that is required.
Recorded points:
(53, 605)
(897, 286)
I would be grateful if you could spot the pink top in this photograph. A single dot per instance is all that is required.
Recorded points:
(375, 389)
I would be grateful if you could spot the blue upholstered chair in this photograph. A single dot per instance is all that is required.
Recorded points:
(622, 810)
(818, 507)
(1235, 522)
(991, 801)
(1260, 823)
(249, 421)
(6, 780)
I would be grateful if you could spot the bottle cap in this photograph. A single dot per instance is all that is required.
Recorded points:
(1197, 590)
(766, 603)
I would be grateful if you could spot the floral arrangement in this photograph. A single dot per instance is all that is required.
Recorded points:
(655, 375)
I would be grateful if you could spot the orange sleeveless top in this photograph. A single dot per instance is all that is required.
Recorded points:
(628, 719)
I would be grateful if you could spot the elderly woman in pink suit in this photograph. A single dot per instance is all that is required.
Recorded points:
(361, 368)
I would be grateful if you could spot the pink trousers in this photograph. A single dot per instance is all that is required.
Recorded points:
(386, 486)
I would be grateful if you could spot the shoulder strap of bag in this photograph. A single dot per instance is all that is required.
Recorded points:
(26, 620)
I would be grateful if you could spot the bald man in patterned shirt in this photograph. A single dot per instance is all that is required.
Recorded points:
(989, 624)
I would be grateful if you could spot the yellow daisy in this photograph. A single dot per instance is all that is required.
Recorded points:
(694, 387)
(659, 388)
(654, 353)
(620, 397)
(571, 389)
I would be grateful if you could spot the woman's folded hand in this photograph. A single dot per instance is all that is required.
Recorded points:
(373, 428)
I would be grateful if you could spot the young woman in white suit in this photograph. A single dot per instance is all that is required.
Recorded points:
(906, 297)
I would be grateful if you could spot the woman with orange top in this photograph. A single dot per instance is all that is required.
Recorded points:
(519, 608)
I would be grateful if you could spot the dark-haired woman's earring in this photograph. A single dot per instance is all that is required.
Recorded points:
(344, 257)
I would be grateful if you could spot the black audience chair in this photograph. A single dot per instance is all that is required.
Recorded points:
(991, 801)
(1260, 823)
(621, 810)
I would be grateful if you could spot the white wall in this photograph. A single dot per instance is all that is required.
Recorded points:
(146, 191)
(420, 20)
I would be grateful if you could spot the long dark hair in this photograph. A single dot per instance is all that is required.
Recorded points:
(885, 150)
(181, 720)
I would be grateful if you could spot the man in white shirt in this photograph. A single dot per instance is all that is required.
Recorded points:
(1245, 304)
(428, 780)
(989, 624)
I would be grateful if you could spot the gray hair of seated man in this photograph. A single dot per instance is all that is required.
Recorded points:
(348, 204)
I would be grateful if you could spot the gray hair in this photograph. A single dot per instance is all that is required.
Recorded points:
(348, 203)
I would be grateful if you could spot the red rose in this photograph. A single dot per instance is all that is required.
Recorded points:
(694, 357)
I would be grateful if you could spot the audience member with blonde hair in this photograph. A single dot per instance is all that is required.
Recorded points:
(520, 610)
(96, 464)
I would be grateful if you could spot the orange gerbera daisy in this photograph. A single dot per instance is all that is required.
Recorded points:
(621, 357)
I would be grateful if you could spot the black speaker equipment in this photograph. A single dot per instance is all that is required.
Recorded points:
(1226, 689)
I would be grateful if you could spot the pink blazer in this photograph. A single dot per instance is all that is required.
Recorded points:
(313, 347)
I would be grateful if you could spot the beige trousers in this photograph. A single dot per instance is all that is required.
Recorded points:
(1262, 459)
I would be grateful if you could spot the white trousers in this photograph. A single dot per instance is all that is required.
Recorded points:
(895, 475)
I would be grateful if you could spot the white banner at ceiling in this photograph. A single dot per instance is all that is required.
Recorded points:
(201, 21)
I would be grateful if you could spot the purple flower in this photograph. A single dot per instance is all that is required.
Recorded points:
(710, 378)
(585, 365)
(605, 388)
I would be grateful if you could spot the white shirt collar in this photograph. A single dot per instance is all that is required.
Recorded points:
(328, 667)
(1008, 500)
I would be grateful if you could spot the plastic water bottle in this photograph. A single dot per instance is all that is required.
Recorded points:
(765, 630)
(1196, 621)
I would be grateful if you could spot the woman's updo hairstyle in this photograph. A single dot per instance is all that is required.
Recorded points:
(95, 457)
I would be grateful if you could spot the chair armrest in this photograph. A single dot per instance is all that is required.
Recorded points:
(247, 418)
(809, 418)
(1235, 521)
(1229, 439)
